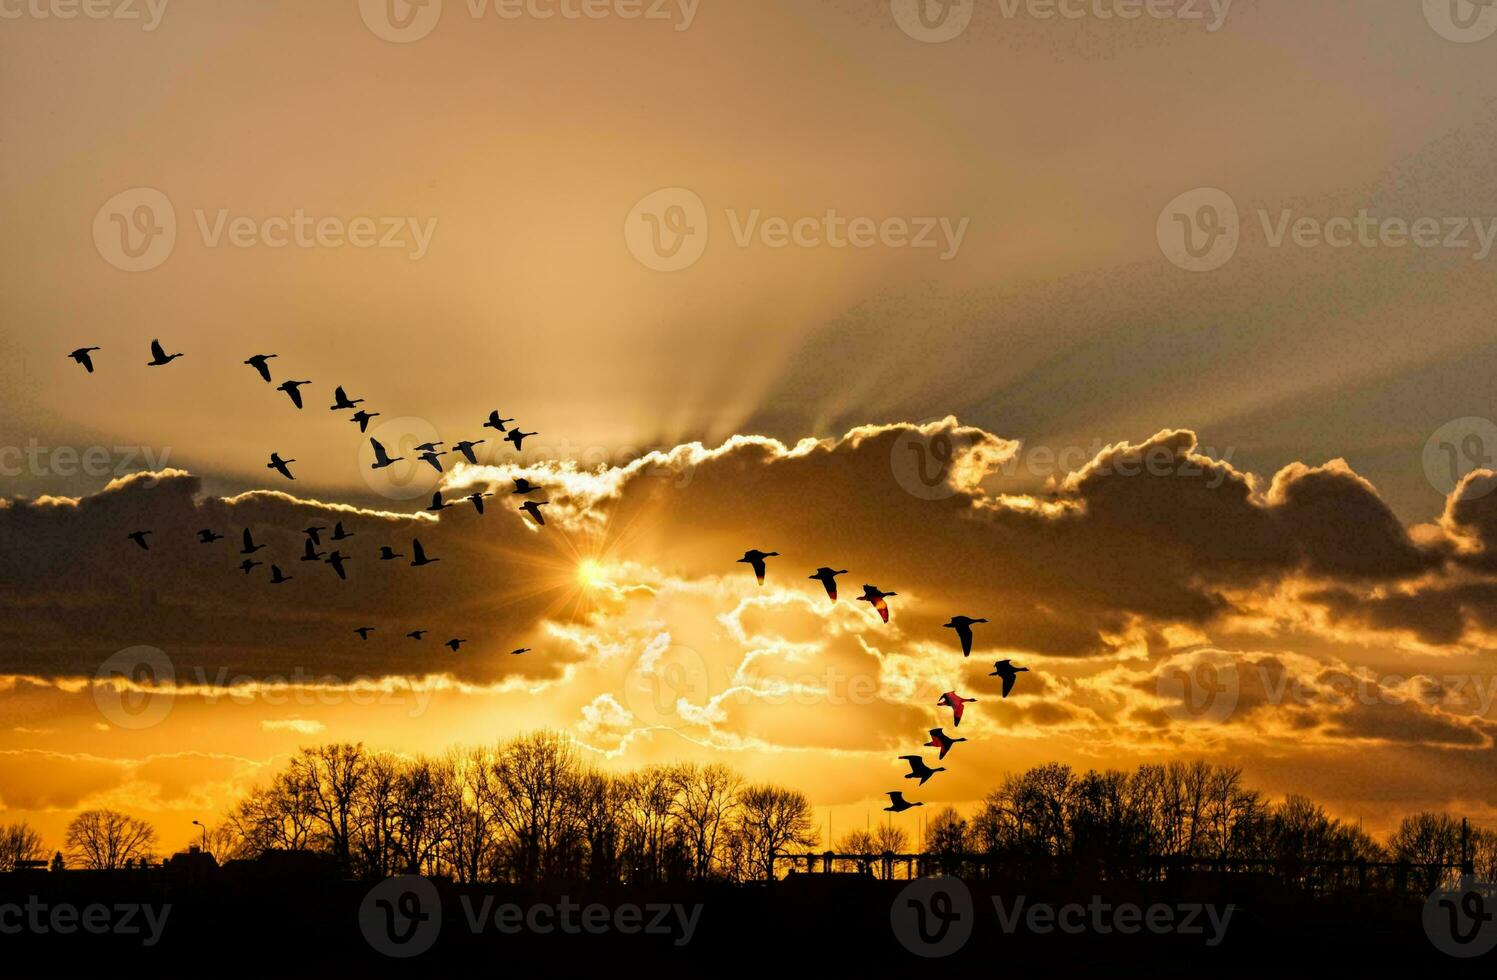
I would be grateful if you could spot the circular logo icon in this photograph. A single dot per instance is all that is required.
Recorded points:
(1462, 21)
(402, 474)
(401, 917)
(1458, 448)
(661, 682)
(667, 231)
(922, 461)
(1199, 231)
(933, 917)
(125, 685)
(136, 230)
(933, 21)
(1200, 687)
(1462, 922)
(400, 21)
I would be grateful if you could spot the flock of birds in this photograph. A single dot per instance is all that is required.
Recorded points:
(1006, 670)
(431, 453)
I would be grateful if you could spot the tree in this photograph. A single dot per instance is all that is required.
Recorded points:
(706, 798)
(107, 839)
(771, 820)
(18, 843)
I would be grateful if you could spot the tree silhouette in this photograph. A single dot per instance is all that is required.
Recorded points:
(107, 839)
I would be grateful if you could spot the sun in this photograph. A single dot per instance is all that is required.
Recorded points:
(591, 574)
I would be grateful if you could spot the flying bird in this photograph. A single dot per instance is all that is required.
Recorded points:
(364, 632)
(533, 508)
(336, 559)
(81, 355)
(477, 501)
(466, 448)
(339, 534)
(433, 459)
(524, 486)
(159, 357)
(258, 362)
(430, 447)
(517, 438)
(828, 577)
(496, 423)
(293, 390)
(919, 770)
(898, 804)
(139, 537)
(454, 644)
(381, 458)
(940, 740)
(206, 536)
(420, 558)
(956, 703)
(281, 466)
(875, 598)
(249, 544)
(437, 504)
(516, 653)
(341, 401)
(249, 565)
(311, 554)
(1006, 670)
(276, 578)
(756, 559)
(363, 418)
(314, 532)
(416, 634)
(963, 626)
(388, 554)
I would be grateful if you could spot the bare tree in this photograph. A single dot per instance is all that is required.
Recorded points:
(770, 820)
(705, 800)
(18, 843)
(107, 839)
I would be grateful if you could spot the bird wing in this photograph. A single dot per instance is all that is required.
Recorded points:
(882, 607)
(295, 394)
(249, 540)
(156, 351)
(420, 551)
(965, 632)
(263, 368)
(379, 451)
(1008, 682)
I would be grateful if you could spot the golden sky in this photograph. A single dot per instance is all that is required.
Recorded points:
(1299, 531)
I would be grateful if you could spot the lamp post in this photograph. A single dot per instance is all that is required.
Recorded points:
(205, 834)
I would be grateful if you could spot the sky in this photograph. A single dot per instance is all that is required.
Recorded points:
(1162, 342)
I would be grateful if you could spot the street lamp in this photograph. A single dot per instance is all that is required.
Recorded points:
(205, 834)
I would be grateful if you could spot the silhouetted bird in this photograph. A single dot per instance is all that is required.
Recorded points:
(875, 598)
(434, 459)
(381, 458)
(341, 401)
(940, 740)
(956, 703)
(388, 554)
(517, 438)
(159, 357)
(524, 486)
(919, 770)
(363, 418)
(828, 577)
(756, 560)
(533, 508)
(339, 534)
(249, 544)
(293, 390)
(139, 537)
(281, 466)
(1006, 670)
(466, 448)
(206, 536)
(437, 504)
(963, 626)
(276, 578)
(516, 653)
(477, 500)
(420, 558)
(336, 559)
(898, 804)
(496, 423)
(364, 632)
(249, 565)
(314, 532)
(311, 554)
(258, 362)
(454, 644)
(416, 634)
(81, 355)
